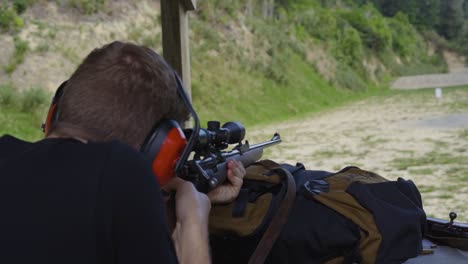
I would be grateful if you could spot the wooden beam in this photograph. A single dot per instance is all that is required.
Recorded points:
(189, 4)
(175, 37)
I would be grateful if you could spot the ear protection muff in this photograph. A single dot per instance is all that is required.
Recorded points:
(164, 147)
(52, 113)
(165, 144)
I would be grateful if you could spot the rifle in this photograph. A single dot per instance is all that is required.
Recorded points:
(443, 228)
(208, 168)
(450, 233)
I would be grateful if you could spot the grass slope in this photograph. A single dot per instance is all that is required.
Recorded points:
(23, 125)
(251, 98)
(250, 69)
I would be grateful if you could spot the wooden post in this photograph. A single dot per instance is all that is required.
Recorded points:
(175, 37)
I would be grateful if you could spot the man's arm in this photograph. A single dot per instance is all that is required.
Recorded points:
(140, 229)
(191, 230)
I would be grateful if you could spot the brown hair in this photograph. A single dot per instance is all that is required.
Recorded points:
(120, 92)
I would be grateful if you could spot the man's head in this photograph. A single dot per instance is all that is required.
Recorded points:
(119, 92)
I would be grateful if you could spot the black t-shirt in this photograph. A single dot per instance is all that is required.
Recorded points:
(62, 201)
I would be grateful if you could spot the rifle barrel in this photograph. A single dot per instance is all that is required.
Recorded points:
(276, 139)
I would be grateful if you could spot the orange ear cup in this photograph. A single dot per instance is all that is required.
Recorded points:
(50, 116)
(170, 151)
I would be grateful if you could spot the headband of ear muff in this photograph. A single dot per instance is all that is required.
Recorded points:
(52, 114)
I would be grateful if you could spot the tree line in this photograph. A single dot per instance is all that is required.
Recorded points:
(448, 17)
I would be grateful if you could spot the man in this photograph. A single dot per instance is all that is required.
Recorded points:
(85, 194)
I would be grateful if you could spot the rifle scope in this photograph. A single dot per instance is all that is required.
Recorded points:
(216, 136)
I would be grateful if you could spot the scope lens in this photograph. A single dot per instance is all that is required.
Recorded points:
(236, 132)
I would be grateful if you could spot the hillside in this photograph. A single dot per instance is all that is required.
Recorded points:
(253, 61)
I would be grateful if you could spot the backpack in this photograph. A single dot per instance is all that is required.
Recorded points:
(351, 216)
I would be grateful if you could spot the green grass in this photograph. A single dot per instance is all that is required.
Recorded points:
(324, 154)
(21, 47)
(21, 113)
(456, 170)
(249, 97)
(432, 158)
(9, 19)
(426, 189)
(463, 177)
(452, 188)
(87, 6)
(226, 92)
(444, 196)
(26, 126)
(228, 86)
(256, 91)
(421, 171)
(438, 143)
(371, 141)
(463, 134)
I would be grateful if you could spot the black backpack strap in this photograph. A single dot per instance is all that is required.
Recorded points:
(240, 204)
(276, 225)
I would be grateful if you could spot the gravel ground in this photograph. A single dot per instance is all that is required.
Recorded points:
(412, 135)
(457, 75)
(432, 80)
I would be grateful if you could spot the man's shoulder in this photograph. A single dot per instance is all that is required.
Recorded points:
(123, 152)
(114, 155)
(62, 149)
(10, 145)
(8, 140)
(125, 159)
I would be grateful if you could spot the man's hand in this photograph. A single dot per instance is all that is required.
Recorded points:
(191, 230)
(230, 189)
(191, 205)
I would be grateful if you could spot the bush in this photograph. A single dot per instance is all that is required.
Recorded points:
(374, 30)
(33, 99)
(20, 5)
(88, 6)
(21, 47)
(9, 20)
(8, 96)
(28, 101)
(349, 47)
(347, 78)
(404, 36)
(230, 7)
(320, 23)
(279, 47)
(462, 39)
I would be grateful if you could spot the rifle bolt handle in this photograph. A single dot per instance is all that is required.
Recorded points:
(213, 182)
(452, 216)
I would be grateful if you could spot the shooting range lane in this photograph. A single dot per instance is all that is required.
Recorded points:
(452, 121)
(442, 254)
(457, 75)
(410, 135)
